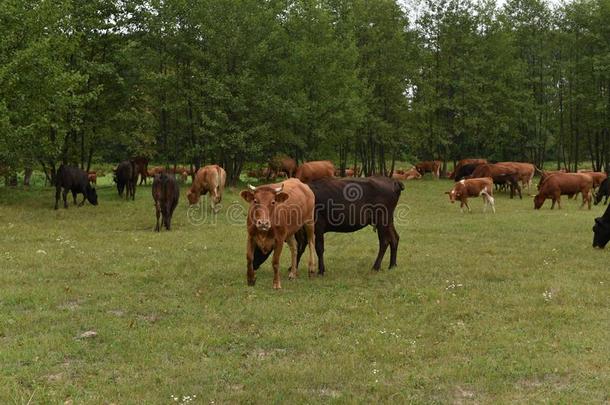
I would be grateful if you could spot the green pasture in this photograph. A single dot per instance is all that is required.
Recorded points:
(482, 308)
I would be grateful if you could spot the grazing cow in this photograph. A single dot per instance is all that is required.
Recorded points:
(315, 170)
(500, 174)
(464, 171)
(467, 162)
(212, 179)
(275, 214)
(556, 185)
(406, 175)
(604, 190)
(75, 180)
(347, 205)
(430, 166)
(282, 164)
(92, 177)
(126, 178)
(601, 230)
(526, 172)
(165, 192)
(473, 188)
(141, 163)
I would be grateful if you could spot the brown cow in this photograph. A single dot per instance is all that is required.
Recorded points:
(430, 166)
(315, 170)
(141, 167)
(276, 213)
(165, 192)
(467, 162)
(210, 178)
(406, 175)
(473, 188)
(92, 176)
(556, 185)
(526, 172)
(282, 164)
(597, 177)
(500, 174)
(348, 172)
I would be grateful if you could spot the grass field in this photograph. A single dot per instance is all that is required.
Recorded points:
(482, 308)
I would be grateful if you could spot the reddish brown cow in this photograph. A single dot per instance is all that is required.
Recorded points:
(211, 179)
(141, 167)
(348, 173)
(473, 188)
(556, 185)
(467, 162)
(430, 166)
(500, 174)
(276, 213)
(526, 172)
(406, 175)
(315, 170)
(92, 176)
(597, 177)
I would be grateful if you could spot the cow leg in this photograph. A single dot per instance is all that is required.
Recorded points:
(65, 197)
(250, 273)
(394, 238)
(57, 194)
(84, 199)
(606, 202)
(320, 252)
(74, 196)
(157, 228)
(277, 253)
(292, 244)
(384, 241)
(311, 264)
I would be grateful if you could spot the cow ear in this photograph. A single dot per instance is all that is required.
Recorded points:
(447, 192)
(247, 195)
(281, 197)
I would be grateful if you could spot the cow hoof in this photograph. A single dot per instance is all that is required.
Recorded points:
(251, 283)
(277, 287)
(292, 276)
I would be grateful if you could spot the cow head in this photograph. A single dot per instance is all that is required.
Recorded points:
(192, 197)
(456, 192)
(538, 201)
(601, 233)
(263, 201)
(91, 194)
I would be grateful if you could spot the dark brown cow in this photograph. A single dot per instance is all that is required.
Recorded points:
(315, 170)
(556, 185)
(210, 179)
(467, 162)
(141, 167)
(473, 188)
(430, 166)
(282, 164)
(500, 174)
(165, 192)
(275, 214)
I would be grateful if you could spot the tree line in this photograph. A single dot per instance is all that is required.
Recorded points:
(361, 82)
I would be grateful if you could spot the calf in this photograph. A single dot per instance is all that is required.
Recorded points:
(126, 177)
(406, 175)
(473, 188)
(75, 180)
(556, 185)
(604, 190)
(430, 166)
(275, 214)
(601, 230)
(350, 204)
(315, 170)
(165, 192)
(210, 179)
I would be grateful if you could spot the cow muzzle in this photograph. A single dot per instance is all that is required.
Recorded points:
(263, 224)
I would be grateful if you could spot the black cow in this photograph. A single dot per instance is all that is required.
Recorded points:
(604, 190)
(601, 230)
(465, 171)
(165, 192)
(347, 205)
(126, 177)
(75, 180)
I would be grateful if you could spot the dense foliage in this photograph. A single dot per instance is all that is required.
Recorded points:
(361, 82)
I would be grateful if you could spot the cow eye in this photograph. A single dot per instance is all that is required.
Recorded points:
(255, 201)
(272, 202)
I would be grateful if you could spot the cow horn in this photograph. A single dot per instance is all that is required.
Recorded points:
(279, 189)
(251, 187)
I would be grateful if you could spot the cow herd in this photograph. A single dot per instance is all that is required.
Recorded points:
(301, 209)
